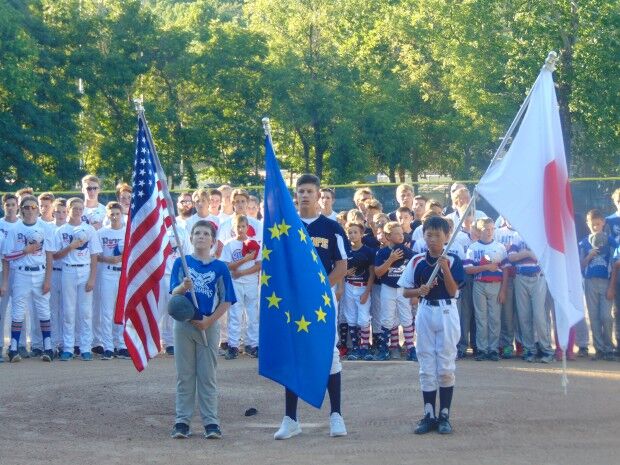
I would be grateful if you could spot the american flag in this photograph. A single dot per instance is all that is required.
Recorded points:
(144, 257)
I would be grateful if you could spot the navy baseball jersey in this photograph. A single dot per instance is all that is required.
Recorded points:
(420, 268)
(526, 266)
(600, 265)
(369, 239)
(396, 269)
(613, 222)
(329, 240)
(360, 260)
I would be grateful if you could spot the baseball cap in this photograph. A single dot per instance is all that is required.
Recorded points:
(182, 309)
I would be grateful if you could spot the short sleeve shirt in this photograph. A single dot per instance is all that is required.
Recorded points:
(420, 268)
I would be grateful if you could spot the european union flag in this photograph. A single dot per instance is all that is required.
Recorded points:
(297, 313)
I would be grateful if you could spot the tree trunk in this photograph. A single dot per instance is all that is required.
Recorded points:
(415, 175)
(401, 174)
(306, 149)
(392, 174)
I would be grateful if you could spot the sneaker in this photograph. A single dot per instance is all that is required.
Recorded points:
(23, 353)
(48, 355)
(169, 350)
(425, 425)
(180, 431)
(107, 355)
(336, 425)
(14, 356)
(36, 353)
(519, 351)
(124, 354)
(247, 349)
(233, 353)
(494, 356)
(583, 352)
(481, 355)
(443, 424)
(507, 352)
(65, 356)
(212, 431)
(254, 352)
(76, 350)
(547, 358)
(460, 354)
(412, 355)
(395, 354)
(87, 357)
(97, 350)
(223, 350)
(368, 356)
(288, 429)
(382, 355)
(353, 355)
(609, 357)
(598, 355)
(529, 357)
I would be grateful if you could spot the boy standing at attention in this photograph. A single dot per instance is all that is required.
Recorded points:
(595, 257)
(486, 260)
(390, 263)
(437, 322)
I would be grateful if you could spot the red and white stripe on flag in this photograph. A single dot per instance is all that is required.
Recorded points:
(530, 188)
(144, 257)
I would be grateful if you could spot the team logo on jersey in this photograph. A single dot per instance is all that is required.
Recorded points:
(202, 281)
(237, 255)
(80, 234)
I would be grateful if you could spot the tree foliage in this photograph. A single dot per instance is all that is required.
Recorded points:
(353, 88)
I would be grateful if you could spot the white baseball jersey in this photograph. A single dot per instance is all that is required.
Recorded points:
(456, 217)
(232, 253)
(188, 248)
(111, 242)
(480, 253)
(224, 217)
(20, 235)
(255, 231)
(80, 256)
(5, 226)
(191, 221)
(94, 214)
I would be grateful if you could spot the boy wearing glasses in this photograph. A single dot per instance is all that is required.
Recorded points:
(94, 212)
(27, 254)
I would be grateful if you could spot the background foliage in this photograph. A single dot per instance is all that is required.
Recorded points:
(352, 87)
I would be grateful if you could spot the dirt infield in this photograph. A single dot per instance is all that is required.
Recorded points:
(503, 413)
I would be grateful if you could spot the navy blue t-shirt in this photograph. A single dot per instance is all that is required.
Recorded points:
(396, 269)
(361, 260)
(329, 241)
(369, 239)
(421, 267)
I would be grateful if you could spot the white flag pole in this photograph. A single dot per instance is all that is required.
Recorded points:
(550, 65)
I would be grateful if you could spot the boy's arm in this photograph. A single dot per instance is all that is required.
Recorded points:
(47, 280)
(588, 258)
(395, 255)
(5, 278)
(253, 269)
(501, 297)
(611, 287)
(232, 266)
(475, 269)
(451, 285)
(90, 284)
(336, 275)
(518, 256)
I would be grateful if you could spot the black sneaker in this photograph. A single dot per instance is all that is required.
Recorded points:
(36, 353)
(23, 353)
(97, 350)
(233, 353)
(254, 352)
(48, 355)
(14, 356)
(443, 424)
(481, 355)
(107, 355)
(494, 356)
(583, 352)
(170, 350)
(180, 430)
(76, 351)
(213, 431)
(426, 425)
(123, 354)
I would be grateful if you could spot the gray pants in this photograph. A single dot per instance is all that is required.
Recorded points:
(534, 316)
(599, 312)
(509, 320)
(465, 306)
(582, 333)
(617, 313)
(488, 315)
(196, 378)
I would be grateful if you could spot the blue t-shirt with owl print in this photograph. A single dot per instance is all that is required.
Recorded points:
(212, 283)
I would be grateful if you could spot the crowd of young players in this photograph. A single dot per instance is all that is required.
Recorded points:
(62, 259)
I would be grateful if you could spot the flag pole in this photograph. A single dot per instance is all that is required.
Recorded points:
(164, 182)
(550, 64)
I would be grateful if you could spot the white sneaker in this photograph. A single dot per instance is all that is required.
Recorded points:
(288, 429)
(336, 425)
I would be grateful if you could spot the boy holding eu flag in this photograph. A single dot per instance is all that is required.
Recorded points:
(328, 238)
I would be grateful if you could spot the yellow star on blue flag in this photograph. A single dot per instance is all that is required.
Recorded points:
(296, 346)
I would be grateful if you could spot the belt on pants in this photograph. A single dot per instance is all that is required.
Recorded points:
(437, 302)
(75, 265)
(357, 283)
(57, 269)
(31, 268)
(530, 275)
(114, 268)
